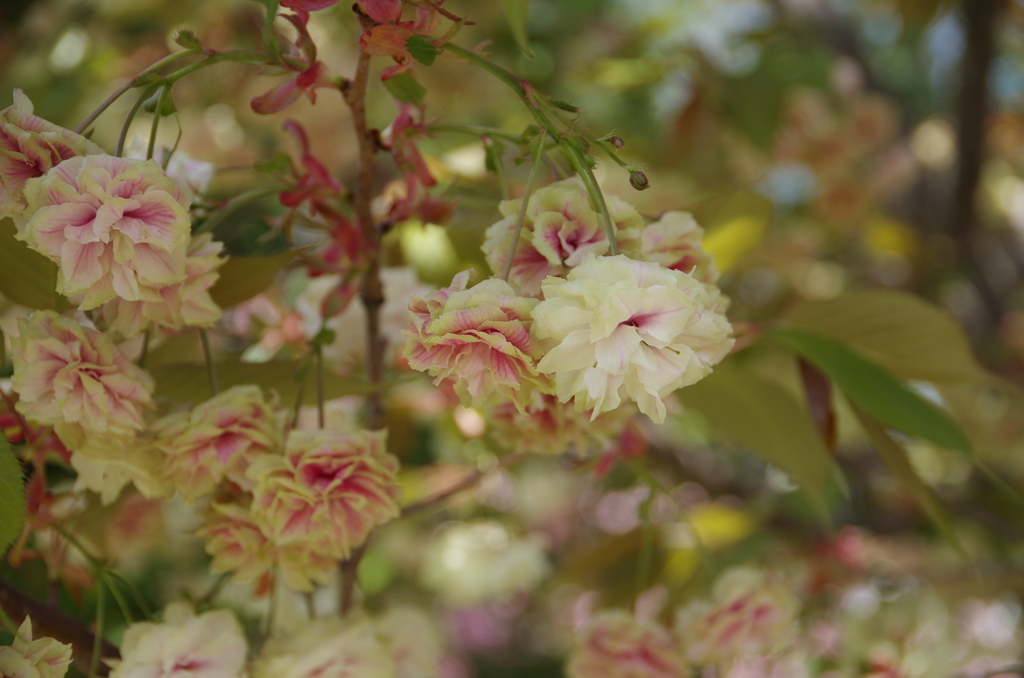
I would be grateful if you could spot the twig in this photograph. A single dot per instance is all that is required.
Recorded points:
(538, 151)
(211, 372)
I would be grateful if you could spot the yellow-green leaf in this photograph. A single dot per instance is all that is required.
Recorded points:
(896, 458)
(27, 277)
(188, 382)
(242, 278)
(734, 224)
(516, 12)
(12, 496)
(901, 332)
(764, 417)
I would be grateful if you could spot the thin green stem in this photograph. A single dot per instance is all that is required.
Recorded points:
(643, 568)
(214, 590)
(7, 622)
(300, 393)
(140, 601)
(478, 131)
(129, 85)
(101, 618)
(589, 137)
(119, 599)
(157, 113)
(145, 348)
(499, 168)
(582, 167)
(211, 372)
(119, 149)
(240, 56)
(320, 417)
(538, 150)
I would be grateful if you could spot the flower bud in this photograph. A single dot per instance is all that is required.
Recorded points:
(638, 180)
(616, 142)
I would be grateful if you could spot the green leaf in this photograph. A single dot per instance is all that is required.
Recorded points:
(895, 457)
(873, 389)
(242, 278)
(764, 417)
(901, 332)
(188, 383)
(26, 277)
(422, 50)
(516, 12)
(12, 495)
(405, 88)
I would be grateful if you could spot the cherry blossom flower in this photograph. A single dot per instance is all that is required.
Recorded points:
(329, 488)
(326, 647)
(628, 326)
(116, 227)
(674, 241)
(238, 545)
(107, 463)
(73, 377)
(559, 230)
(217, 440)
(192, 176)
(479, 337)
(411, 638)
(614, 644)
(750, 613)
(28, 658)
(30, 147)
(183, 304)
(209, 645)
(550, 427)
(389, 39)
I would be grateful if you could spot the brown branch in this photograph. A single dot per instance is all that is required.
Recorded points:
(371, 289)
(469, 481)
(51, 622)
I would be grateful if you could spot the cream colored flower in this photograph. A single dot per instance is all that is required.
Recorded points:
(474, 563)
(559, 231)
(628, 328)
(30, 147)
(217, 440)
(28, 658)
(106, 463)
(614, 644)
(675, 241)
(411, 638)
(479, 337)
(186, 303)
(550, 427)
(116, 227)
(193, 176)
(329, 488)
(326, 648)
(751, 613)
(72, 377)
(210, 645)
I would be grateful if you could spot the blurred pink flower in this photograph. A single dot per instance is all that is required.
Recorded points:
(210, 645)
(67, 375)
(329, 488)
(624, 325)
(614, 644)
(217, 440)
(30, 147)
(116, 227)
(326, 647)
(674, 241)
(559, 230)
(480, 337)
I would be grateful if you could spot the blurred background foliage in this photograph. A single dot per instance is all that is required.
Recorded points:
(828, 146)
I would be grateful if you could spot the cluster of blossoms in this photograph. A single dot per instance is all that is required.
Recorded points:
(747, 628)
(605, 329)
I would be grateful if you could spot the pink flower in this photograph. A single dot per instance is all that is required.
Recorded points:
(480, 337)
(311, 73)
(116, 227)
(674, 241)
(614, 644)
(183, 304)
(210, 645)
(329, 488)
(217, 440)
(30, 147)
(559, 230)
(751, 613)
(28, 658)
(69, 375)
(628, 328)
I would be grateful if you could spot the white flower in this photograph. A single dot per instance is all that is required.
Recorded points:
(210, 645)
(326, 648)
(413, 641)
(629, 328)
(28, 658)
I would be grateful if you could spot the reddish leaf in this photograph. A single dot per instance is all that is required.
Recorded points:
(383, 11)
(386, 40)
(308, 5)
(818, 389)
